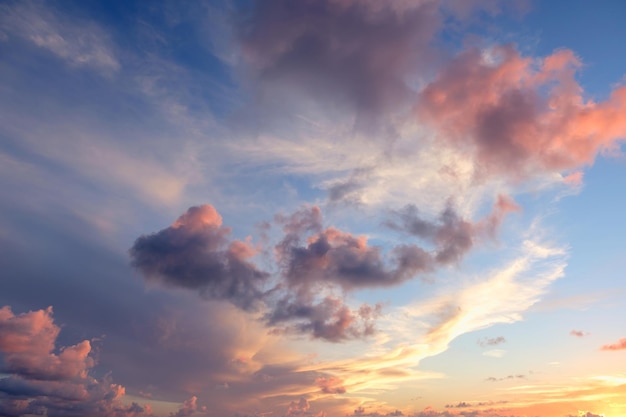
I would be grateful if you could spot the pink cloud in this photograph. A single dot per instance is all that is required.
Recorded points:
(574, 179)
(56, 384)
(331, 385)
(620, 345)
(188, 408)
(196, 253)
(27, 341)
(519, 115)
(578, 333)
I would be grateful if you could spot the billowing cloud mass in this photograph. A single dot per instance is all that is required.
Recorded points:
(195, 252)
(40, 381)
(331, 256)
(518, 115)
(351, 53)
(620, 345)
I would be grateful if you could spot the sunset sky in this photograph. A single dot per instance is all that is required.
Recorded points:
(313, 208)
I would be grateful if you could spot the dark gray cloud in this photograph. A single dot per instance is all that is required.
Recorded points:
(357, 53)
(196, 253)
(330, 319)
(451, 235)
(313, 259)
(314, 263)
(491, 341)
(332, 256)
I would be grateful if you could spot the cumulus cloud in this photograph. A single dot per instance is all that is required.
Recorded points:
(578, 333)
(302, 407)
(314, 259)
(451, 235)
(518, 115)
(314, 263)
(188, 408)
(27, 342)
(329, 319)
(337, 257)
(41, 381)
(620, 345)
(195, 253)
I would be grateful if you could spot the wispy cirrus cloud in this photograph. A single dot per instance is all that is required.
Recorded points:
(80, 43)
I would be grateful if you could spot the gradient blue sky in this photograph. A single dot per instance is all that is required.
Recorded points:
(312, 208)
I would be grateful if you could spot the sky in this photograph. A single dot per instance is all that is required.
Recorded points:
(312, 208)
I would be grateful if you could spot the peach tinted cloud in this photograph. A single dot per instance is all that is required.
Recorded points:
(620, 345)
(518, 114)
(41, 381)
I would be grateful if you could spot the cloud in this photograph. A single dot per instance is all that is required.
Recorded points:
(358, 54)
(361, 412)
(331, 385)
(332, 256)
(620, 345)
(491, 341)
(41, 381)
(79, 43)
(520, 116)
(302, 408)
(586, 414)
(329, 319)
(314, 260)
(188, 408)
(506, 378)
(195, 253)
(495, 353)
(452, 236)
(27, 342)
(578, 333)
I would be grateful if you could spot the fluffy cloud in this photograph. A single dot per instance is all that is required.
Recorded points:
(41, 381)
(195, 253)
(331, 256)
(519, 115)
